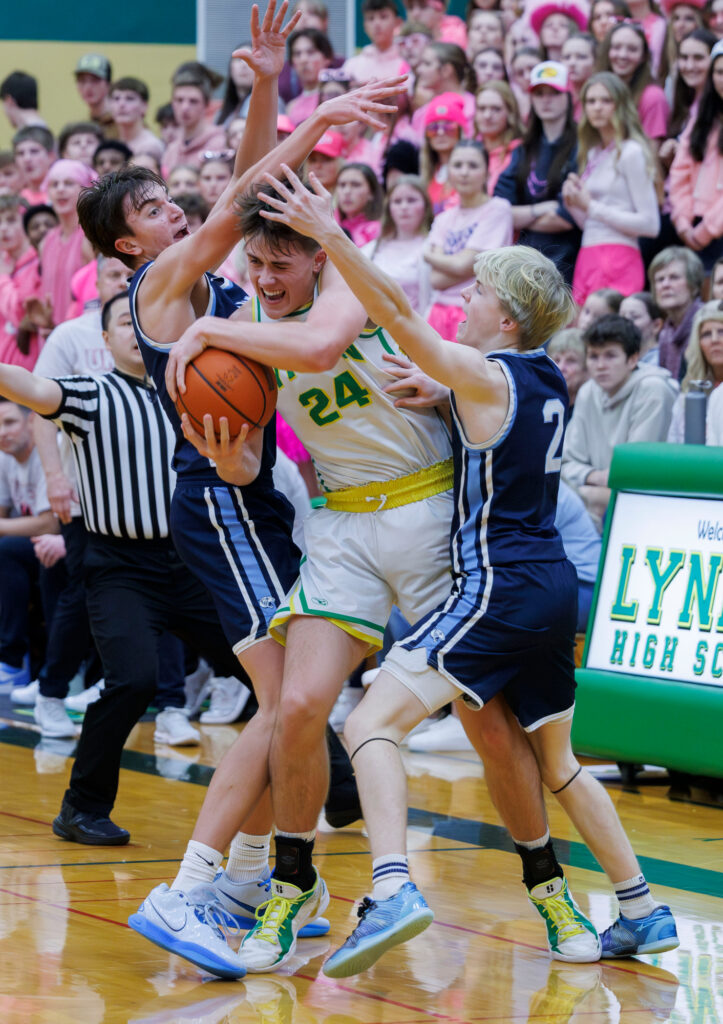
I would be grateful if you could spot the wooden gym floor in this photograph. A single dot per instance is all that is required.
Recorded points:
(68, 957)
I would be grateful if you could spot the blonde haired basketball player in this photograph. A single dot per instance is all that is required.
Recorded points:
(387, 476)
(508, 624)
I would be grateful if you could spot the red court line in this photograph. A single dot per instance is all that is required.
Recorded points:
(344, 899)
(22, 817)
(513, 942)
(320, 979)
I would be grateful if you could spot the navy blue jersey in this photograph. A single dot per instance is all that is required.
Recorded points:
(506, 489)
(225, 298)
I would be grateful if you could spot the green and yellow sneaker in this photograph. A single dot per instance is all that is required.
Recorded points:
(272, 940)
(570, 936)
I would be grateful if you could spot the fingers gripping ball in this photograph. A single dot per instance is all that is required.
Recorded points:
(225, 384)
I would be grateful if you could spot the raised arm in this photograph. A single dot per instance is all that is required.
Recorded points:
(265, 57)
(180, 266)
(37, 393)
(457, 367)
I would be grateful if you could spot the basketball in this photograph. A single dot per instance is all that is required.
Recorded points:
(225, 384)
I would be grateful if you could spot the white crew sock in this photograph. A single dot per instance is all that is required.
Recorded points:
(389, 875)
(634, 897)
(198, 867)
(248, 858)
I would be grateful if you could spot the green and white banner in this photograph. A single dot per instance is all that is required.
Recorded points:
(659, 609)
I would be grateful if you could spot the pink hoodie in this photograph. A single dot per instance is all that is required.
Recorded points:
(696, 189)
(23, 283)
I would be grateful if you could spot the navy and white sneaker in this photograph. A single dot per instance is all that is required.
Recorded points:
(383, 925)
(192, 926)
(242, 899)
(655, 933)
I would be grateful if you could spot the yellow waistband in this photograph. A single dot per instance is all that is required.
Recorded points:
(404, 490)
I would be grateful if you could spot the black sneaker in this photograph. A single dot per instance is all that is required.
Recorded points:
(88, 827)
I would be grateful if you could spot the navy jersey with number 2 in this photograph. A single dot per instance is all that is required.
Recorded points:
(509, 622)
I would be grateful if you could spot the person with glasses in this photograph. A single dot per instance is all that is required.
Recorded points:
(444, 125)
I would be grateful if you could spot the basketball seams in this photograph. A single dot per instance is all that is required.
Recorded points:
(228, 398)
(224, 398)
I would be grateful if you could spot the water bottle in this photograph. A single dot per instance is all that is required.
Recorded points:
(696, 404)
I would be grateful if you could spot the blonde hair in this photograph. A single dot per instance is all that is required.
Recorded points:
(698, 367)
(569, 339)
(625, 122)
(530, 288)
(504, 91)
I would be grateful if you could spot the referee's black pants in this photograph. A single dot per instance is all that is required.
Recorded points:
(135, 590)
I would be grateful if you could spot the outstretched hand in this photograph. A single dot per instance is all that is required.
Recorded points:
(268, 40)
(309, 213)
(363, 103)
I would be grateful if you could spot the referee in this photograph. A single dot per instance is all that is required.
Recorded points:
(136, 584)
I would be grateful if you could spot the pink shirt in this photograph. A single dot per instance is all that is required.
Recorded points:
(59, 260)
(653, 26)
(303, 106)
(365, 152)
(488, 226)
(372, 63)
(497, 160)
(654, 110)
(34, 198)
(84, 289)
(360, 228)
(696, 189)
(211, 138)
(22, 283)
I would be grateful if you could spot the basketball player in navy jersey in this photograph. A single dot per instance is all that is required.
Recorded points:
(509, 623)
(236, 539)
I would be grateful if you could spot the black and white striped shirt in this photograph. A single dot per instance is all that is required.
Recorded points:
(122, 445)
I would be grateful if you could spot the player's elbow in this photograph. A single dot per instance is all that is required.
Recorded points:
(324, 355)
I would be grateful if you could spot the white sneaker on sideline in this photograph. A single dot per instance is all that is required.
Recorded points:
(53, 719)
(447, 734)
(80, 702)
(196, 687)
(228, 699)
(25, 694)
(345, 704)
(173, 728)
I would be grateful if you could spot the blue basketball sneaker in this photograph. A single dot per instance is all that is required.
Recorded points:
(383, 924)
(12, 678)
(193, 926)
(242, 899)
(655, 933)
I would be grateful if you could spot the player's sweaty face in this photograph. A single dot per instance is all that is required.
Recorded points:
(283, 279)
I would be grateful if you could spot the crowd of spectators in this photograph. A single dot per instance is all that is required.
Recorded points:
(593, 133)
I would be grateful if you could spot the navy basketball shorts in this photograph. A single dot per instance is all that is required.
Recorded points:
(507, 629)
(239, 545)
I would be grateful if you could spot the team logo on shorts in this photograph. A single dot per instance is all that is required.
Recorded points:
(437, 635)
(320, 600)
(268, 602)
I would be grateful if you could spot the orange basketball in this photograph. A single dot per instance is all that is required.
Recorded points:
(225, 384)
